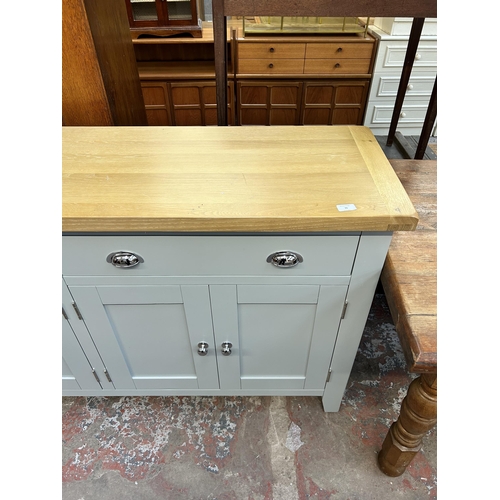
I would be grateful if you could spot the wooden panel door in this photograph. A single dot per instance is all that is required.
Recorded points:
(269, 103)
(282, 336)
(148, 335)
(157, 103)
(334, 103)
(194, 103)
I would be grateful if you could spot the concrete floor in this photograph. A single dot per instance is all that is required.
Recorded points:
(250, 448)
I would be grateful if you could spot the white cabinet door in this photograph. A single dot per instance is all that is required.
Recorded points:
(77, 372)
(282, 336)
(83, 369)
(147, 336)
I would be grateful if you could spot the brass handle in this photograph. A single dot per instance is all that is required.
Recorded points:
(202, 348)
(226, 348)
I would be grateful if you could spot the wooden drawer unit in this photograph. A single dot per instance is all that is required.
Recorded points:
(209, 255)
(304, 58)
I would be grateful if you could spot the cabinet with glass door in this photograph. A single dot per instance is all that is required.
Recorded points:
(163, 18)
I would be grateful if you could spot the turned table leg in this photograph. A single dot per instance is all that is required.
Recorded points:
(418, 415)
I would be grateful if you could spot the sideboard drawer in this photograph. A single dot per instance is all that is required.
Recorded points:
(270, 50)
(336, 66)
(271, 66)
(339, 50)
(209, 255)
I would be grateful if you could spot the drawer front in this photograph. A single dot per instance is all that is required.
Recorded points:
(337, 66)
(411, 114)
(271, 50)
(208, 255)
(392, 55)
(339, 50)
(418, 86)
(271, 66)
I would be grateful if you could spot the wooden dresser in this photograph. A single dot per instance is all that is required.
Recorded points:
(278, 80)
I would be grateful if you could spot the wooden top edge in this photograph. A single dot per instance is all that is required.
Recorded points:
(329, 8)
(115, 189)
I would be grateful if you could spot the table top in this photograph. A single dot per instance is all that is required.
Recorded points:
(229, 179)
(409, 276)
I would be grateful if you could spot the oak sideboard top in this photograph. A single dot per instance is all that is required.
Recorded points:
(225, 179)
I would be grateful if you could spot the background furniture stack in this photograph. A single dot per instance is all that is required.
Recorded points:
(393, 34)
(271, 80)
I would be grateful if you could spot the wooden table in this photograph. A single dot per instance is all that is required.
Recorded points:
(409, 279)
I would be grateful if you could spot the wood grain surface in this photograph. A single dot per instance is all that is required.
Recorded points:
(255, 179)
(409, 276)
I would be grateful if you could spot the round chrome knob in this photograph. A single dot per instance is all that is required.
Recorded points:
(402, 115)
(226, 348)
(202, 348)
(418, 56)
(410, 86)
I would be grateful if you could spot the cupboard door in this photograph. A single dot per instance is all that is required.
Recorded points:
(195, 103)
(145, 12)
(77, 372)
(83, 369)
(269, 103)
(334, 103)
(157, 103)
(282, 336)
(148, 336)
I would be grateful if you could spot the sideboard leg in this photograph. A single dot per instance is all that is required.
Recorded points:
(418, 415)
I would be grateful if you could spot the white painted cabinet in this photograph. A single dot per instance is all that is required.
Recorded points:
(393, 35)
(210, 315)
